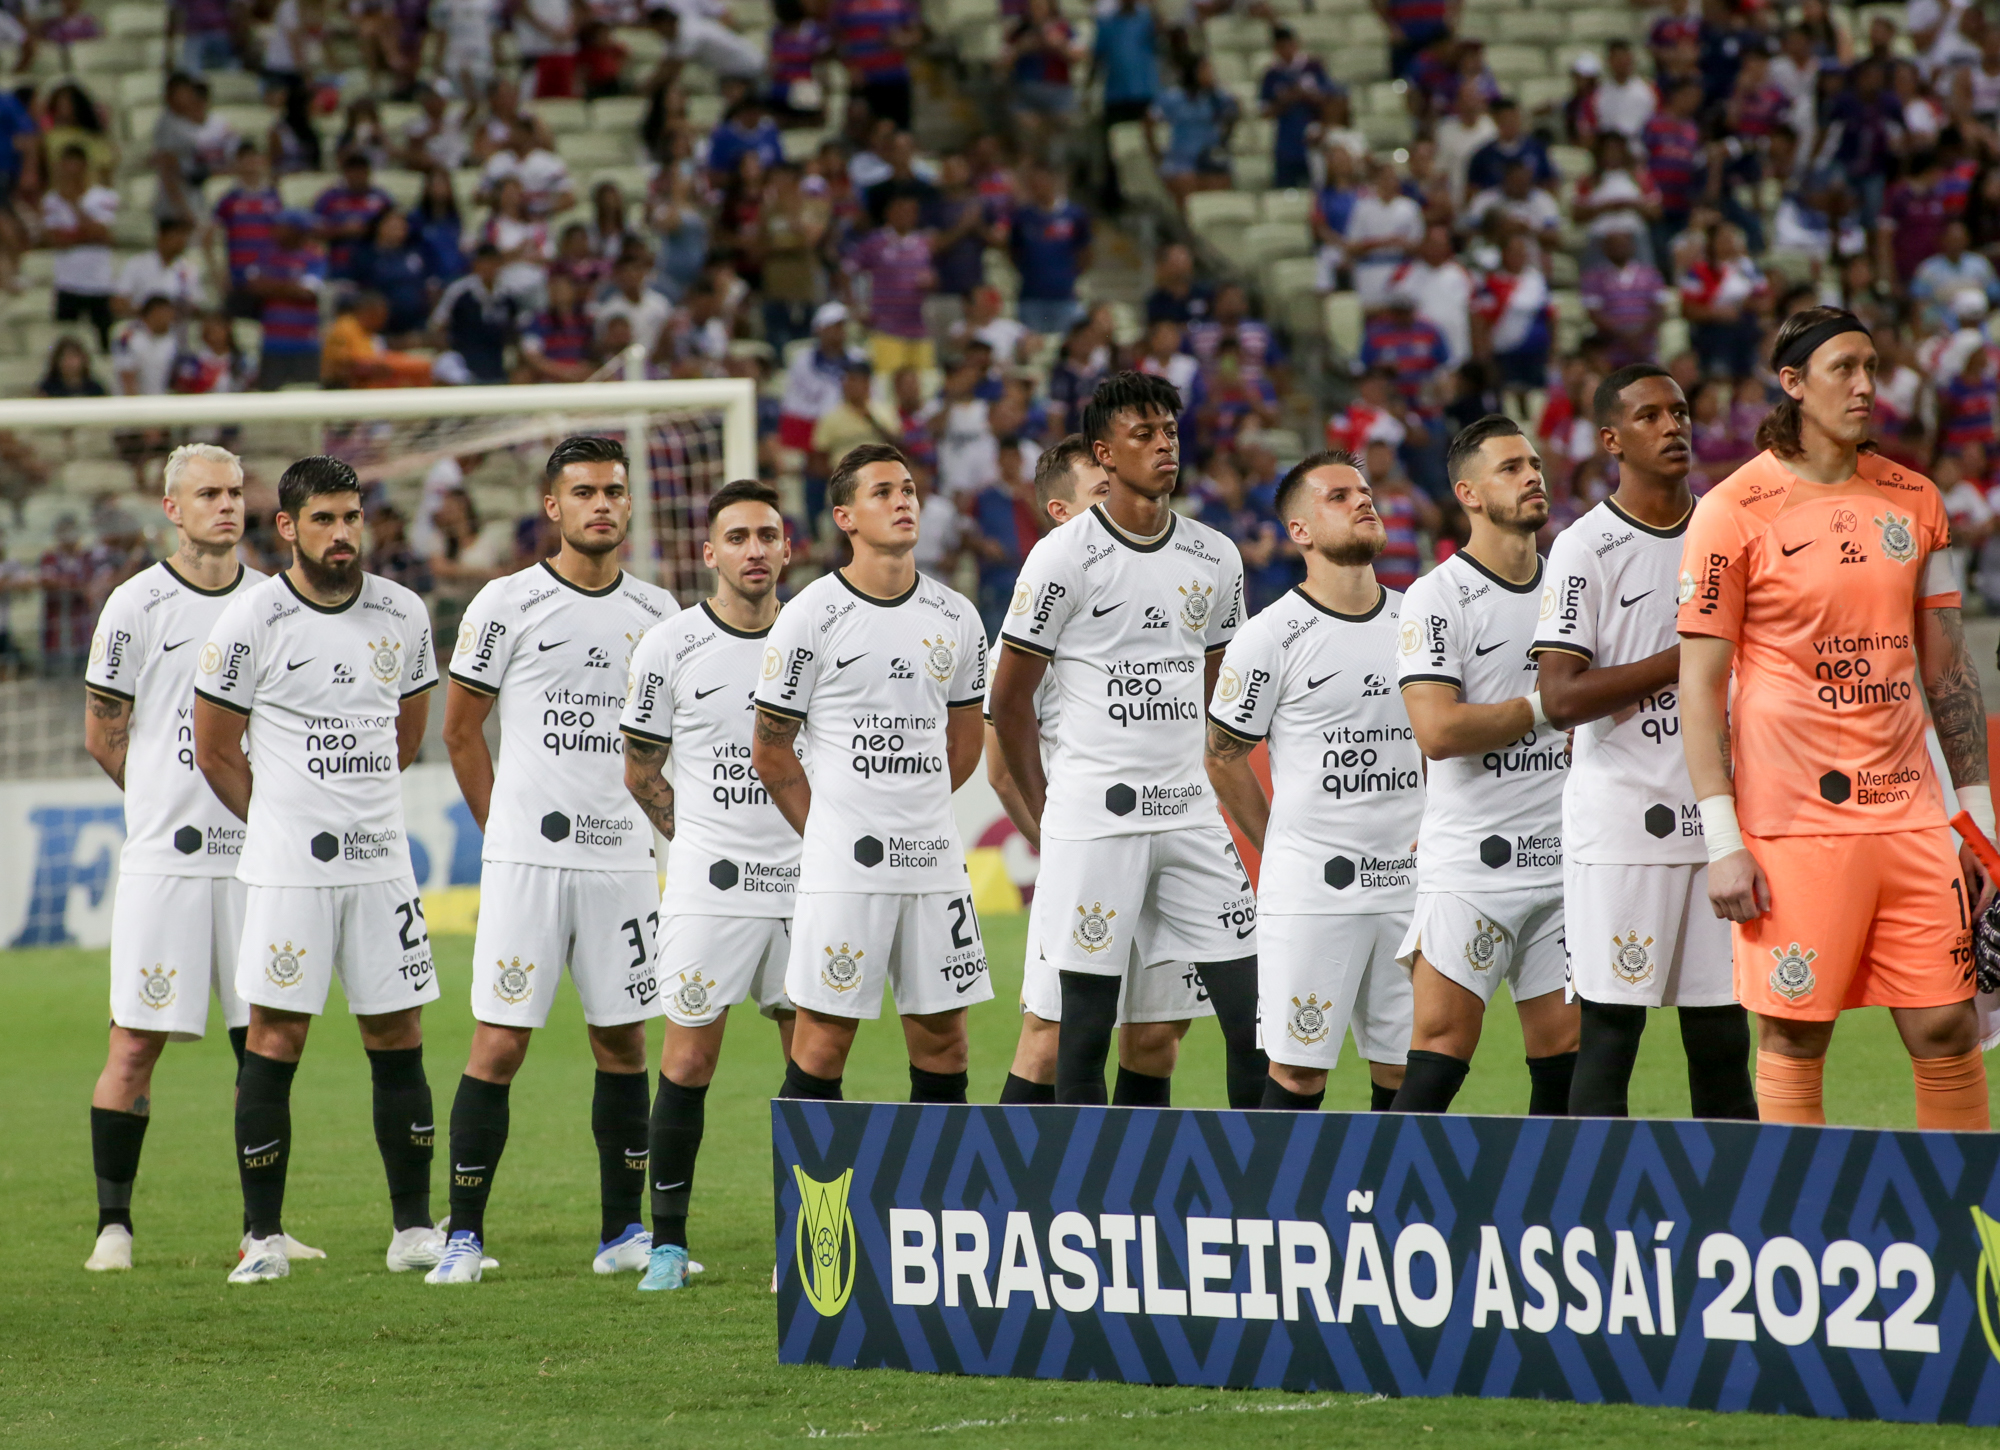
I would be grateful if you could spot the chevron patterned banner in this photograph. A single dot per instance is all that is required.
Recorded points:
(1835, 1272)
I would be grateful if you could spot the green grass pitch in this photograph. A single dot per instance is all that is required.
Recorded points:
(545, 1353)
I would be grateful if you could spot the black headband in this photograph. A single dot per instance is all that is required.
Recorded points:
(1802, 347)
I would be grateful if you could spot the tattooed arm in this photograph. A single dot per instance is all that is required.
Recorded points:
(1951, 683)
(1236, 784)
(107, 731)
(774, 753)
(646, 778)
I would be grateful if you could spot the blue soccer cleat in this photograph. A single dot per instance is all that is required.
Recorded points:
(667, 1269)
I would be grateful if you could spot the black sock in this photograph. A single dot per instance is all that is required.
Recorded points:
(1089, 1018)
(1380, 1099)
(264, 1139)
(1606, 1050)
(679, 1114)
(801, 1084)
(479, 1121)
(405, 1130)
(239, 1043)
(1020, 1090)
(1549, 1080)
(1141, 1090)
(1430, 1081)
(1717, 1041)
(937, 1087)
(618, 1120)
(115, 1141)
(1277, 1095)
(1232, 988)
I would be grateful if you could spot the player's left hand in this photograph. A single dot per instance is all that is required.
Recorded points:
(1968, 864)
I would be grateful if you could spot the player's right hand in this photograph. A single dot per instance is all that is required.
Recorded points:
(1737, 889)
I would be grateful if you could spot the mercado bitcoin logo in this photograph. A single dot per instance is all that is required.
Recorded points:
(1986, 1283)
(825, 1237)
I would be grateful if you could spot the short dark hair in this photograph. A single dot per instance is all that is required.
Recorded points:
(1128, 392)
(1607, 404)
(582, 448)
(1290, 486)
(1469, 439)
(312, 477)
(840, 485)
(1055, 470)
(741, 490)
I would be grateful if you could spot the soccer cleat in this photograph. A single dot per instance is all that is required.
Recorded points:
(667, 1268)
(113, 1251)
(462, 1263)
(444, 1232)
(263, 1260)
(627, 1252)
(415, 1248)
(293, 1248)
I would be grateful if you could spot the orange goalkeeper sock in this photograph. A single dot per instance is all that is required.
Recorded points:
(1951, 1092)
(1788, 1089)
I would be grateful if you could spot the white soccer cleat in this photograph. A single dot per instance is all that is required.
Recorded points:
(113, 1251)
(415, 1248)
(462, 1263)
(630, 1252)
(293, 1248)
(263, 1260)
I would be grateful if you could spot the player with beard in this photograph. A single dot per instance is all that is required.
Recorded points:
(1489, 902)
(1819, 614)
(326, 671)
(1310, 674)
(882, 670)
(1068, 480)
(567, 878)
(1635, 874)
(725, 917)
(1130, 608)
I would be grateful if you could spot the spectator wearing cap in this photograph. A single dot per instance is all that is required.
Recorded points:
(872, 38)
(1625, 297)
(1955, 269)
(476, 322)
(1290, 95)
(1050, 243)
(169, 270)
(1624, 100)
(346, 213)
(1513, 142)
(896, 261)
(287, 283)
(813, 379)
(556, 344)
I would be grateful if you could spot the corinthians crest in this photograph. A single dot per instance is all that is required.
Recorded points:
(692, 995)
(1093, 932)
(156, 988)
(512, 985)
(1897, 540)
(842, 969)
(1630, 961)
(382, 659)
(284, 968)
(938, 658)
(1308, 1024)
(1792, 977)
(1484, 947)
(1196, 601)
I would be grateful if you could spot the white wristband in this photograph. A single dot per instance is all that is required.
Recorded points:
(1977, 801)
(1718, 826)
(1534, 699)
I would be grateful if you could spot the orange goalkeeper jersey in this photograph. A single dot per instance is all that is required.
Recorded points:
(1819, 591)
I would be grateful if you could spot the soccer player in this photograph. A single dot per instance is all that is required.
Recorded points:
(1069, 480)
(1311, 674)
(1817, 579)
(178, 912)
(326, 671)
(1130, 608)
(882, 669)
(725, 917)
(1489, 853)
(566, 869)
(1635, 875)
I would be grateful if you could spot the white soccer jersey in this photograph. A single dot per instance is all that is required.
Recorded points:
(1611, 598)
(323, 689)
(1492, 821)
(174, 825)
(694, 685)
(875, 680)
(559, 658)
(1347, 779)
(1127, 628)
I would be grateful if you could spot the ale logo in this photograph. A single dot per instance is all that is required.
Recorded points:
(825, 1238)
(1986, 1283)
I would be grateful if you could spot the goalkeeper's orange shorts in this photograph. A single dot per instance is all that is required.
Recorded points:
(1881, 920)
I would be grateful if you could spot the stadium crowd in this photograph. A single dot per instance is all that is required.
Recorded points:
(1711, 169)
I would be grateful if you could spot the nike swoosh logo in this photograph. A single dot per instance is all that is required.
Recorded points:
(545, 648)
(1624, 603)
(963, 987)
(637, 1153)
(289, 666)
(1096, 613)
(262, 1146)
(468, 1168)
(669, 1187)
(1796, 547)
(1243, 931)
(1315, 684)
(1487, 650)
(168, 649)
(843, 664)
(704, 694)
(425, 1128)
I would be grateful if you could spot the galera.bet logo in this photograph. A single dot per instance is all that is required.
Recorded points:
(826, 1247)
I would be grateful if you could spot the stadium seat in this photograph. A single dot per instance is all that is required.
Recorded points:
(1673, 339)
(617, 113)
(302, 188)
(1237, 32)
(1293, 206)
(704, 112)
(139, 89)
(1252, 137)
(1270, 242)
(801, 145)
(404, 186)
(1571, 162)
(19, 375)
(247, 121)
(1212, 208)
(1233, 70)
(563, 116)
(88, 477)
(1599, 27)
(1342, 311)
(587, 149)
(1543, 91)
(632, 180)
(1253, 172)
(1534, 27)
(1384, 98)
(1517, 62)
(134, 20)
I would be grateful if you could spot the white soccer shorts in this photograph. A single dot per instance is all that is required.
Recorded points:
(1318, 977)
(1510, 936)
(1645, 936)
(1159, 992)
(295, 938)
(534, 919)
(845, 944)
(707, 964)
(173, 941)
(1179, 896)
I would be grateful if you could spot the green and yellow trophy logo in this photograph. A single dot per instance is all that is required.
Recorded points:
(825, 1238)
(1986, 1283)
